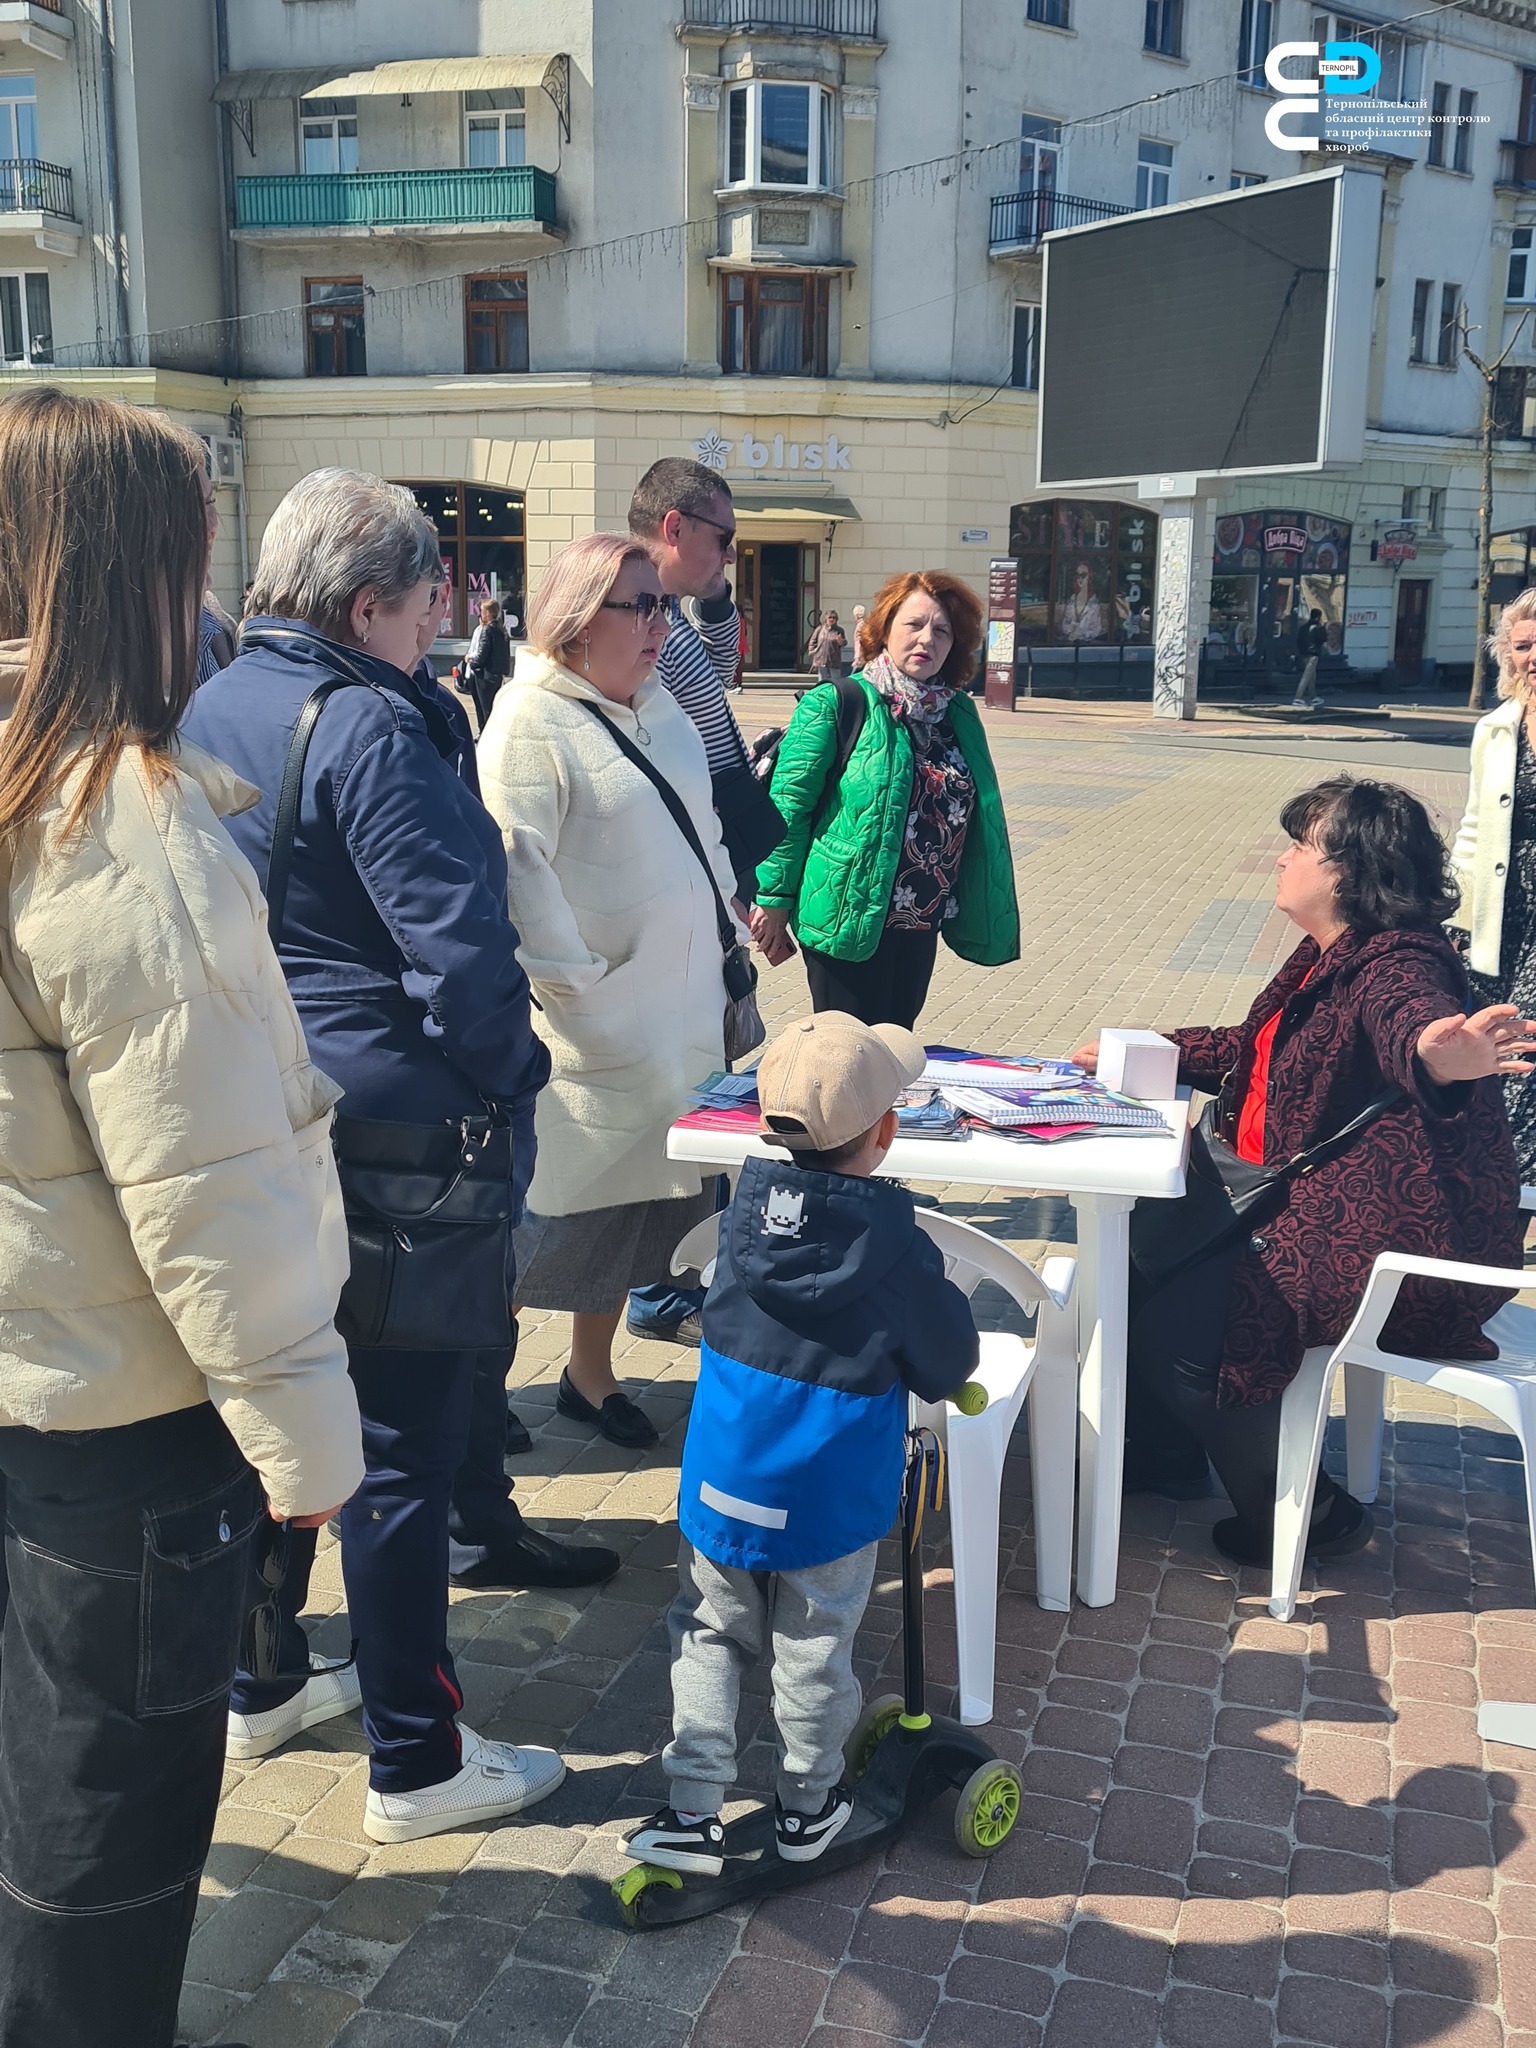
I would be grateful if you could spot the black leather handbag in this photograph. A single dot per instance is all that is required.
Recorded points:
(428, 1206)
(1226, 1196)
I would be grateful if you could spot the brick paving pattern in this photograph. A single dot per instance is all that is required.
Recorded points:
(1234, 1832)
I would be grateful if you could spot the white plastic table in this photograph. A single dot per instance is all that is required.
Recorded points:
(1103, 1179)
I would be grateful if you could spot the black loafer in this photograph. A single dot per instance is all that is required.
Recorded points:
(1345, 1526)
(539, 1560)
(618, 1419)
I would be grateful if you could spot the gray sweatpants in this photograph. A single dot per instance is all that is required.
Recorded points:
(721, 1621)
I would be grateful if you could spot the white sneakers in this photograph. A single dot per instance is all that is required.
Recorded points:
(327, 1694)
(496, 1779)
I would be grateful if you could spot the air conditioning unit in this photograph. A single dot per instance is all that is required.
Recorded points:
(225, 458)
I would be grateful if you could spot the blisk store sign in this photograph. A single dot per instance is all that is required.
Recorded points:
(772, 454)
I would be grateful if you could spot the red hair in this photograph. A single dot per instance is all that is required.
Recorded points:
(961, 607)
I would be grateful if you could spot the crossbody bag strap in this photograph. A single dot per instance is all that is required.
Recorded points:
(1328, 1149)
(280, 860)
(680, 818)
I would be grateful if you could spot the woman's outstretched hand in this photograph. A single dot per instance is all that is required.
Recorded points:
(1497, 1040)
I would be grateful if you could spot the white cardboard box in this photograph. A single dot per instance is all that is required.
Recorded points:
(1139, 1063)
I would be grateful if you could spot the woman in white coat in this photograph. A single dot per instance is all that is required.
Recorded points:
(620, 940)
(1494, 857)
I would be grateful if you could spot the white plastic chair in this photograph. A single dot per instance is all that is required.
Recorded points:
(1505, 1386)
(1011, 1369)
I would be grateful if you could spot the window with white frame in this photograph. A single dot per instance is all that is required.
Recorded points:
(1402, 57)
(1039, 153)
(1154, 174)
(1163, 29)
(1418, 342)
(1243, 181)
(1256, 32)
(1448, 345)
(1434, 510)
(26, 318)
(1052, 13)
(1025, 374)
(18, 116)
(1521, 285)
(1410, 511)
(327, 136)
(494, 130)
(779, 135)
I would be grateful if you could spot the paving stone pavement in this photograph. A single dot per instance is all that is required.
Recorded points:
(1234, 1832)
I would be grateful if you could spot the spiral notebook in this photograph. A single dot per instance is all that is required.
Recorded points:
(1104, 1112)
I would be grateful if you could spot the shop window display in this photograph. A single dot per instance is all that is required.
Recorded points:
(1086, 571)
(482, 539)
(1270, 570)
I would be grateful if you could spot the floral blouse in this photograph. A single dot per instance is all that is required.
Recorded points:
(943, 798)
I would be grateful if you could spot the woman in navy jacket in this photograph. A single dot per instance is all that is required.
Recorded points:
(402, 961)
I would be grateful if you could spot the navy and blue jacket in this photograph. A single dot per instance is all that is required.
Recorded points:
(396, 941)
(828, 1304)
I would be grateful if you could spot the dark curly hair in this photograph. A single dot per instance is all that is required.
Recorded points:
(1394, 872)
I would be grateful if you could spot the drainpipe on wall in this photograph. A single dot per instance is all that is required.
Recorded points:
(229, 270)
(114, 185)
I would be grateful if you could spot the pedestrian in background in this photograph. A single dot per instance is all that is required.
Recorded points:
(621, 940)
(216, 630)
(825, 649)
(682, 513)
(172, 1248)
(1310, 644)
(488, 662)
(397, 946)
(1494, 857)
(912, 842)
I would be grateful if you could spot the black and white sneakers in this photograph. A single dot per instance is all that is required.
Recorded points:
(803, 1836)
(697, 1846)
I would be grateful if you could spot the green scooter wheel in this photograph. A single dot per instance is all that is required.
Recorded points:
(988, 1808)
(872, 1726)
(630, 1886)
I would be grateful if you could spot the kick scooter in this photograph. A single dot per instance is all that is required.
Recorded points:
(899, 1759)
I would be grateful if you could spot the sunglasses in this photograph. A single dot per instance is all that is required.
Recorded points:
(727, 533)
(645, 606)
(261, 1653)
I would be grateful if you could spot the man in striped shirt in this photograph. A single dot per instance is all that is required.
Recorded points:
(682, 511)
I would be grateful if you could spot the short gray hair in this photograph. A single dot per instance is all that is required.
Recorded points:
(338, 532)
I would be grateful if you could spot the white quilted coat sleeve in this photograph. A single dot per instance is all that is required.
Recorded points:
(148, 952)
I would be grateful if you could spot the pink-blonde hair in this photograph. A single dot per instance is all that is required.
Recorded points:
(574, 586)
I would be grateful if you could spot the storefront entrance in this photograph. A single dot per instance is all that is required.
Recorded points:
(777, 589)
(1412, 622)
(482, 536)
(1270, 572)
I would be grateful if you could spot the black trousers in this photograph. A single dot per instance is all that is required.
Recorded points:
(1172, 1422)
(890, 987)
(126, 1583)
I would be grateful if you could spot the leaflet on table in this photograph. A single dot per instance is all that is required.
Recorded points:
(1012, 1110)
(974, 1070)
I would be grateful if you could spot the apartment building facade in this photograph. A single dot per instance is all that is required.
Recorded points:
(511, 253)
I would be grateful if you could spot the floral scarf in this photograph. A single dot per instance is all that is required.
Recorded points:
(919, 705)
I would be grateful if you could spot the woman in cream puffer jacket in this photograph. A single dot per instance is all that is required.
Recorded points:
(620, 939)
(171, 1240)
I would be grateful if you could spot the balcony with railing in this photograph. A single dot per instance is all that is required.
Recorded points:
(39, 26)
(515, 198)
(1020, 219)
(856, 20)
(37, 203)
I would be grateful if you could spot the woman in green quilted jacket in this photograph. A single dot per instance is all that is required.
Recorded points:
(910, 841)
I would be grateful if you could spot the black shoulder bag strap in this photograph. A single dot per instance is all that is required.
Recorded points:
(680, 818)
(852, 710)
(280, 860)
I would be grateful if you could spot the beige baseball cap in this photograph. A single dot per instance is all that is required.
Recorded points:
(829, 1078)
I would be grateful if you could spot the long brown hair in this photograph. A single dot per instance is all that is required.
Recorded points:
(961, 608)
(103, 556)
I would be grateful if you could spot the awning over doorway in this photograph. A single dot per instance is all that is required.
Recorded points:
(550, 71)
(789, 505)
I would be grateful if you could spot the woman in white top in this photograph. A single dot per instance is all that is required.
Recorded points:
(1494, 858)
(620, 940)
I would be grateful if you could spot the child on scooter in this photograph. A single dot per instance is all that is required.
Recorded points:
(828, 1303)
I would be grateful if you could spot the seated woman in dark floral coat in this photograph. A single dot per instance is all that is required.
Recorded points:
(1374, 996)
